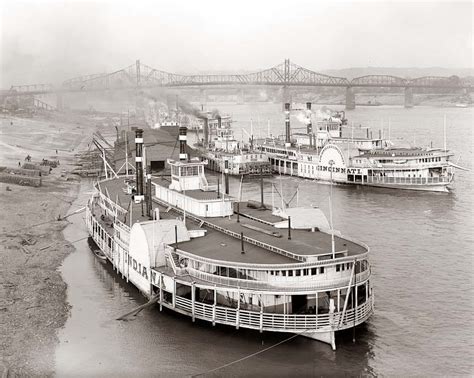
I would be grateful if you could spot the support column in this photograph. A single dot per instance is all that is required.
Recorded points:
(193, 299)
(214, 307)
(350, 98)
(160, 277)
(237, 316)
(174, 292)
(408, 97)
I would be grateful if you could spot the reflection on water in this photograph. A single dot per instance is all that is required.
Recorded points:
(422, 272)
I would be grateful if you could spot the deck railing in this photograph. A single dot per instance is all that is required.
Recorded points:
(276, 322)
(263, 285)
(408, 180)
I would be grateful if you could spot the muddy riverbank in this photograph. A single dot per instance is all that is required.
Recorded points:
(32, 293)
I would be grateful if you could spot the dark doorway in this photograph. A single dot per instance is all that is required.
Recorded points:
(157, 165)
(299, 304)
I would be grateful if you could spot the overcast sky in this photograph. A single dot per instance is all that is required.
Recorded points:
(49, 41)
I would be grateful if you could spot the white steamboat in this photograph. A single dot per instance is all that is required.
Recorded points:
(324, 154)
(226, 154)
(201, 253)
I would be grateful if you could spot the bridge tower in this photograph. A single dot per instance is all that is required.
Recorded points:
(350, 98)
(408, 97)
(286, 94)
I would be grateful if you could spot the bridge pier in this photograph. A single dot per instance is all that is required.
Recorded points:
(408, 97)
(350, 98)
(202, 96)
(241, 96)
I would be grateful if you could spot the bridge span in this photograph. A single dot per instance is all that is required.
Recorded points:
(284, 75)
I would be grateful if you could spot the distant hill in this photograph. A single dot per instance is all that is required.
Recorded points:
(409, 72)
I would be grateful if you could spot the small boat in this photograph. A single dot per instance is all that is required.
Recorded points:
(96, 250)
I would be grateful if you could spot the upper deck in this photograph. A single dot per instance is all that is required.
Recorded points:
(263, 242)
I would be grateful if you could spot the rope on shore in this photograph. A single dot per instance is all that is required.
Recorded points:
(249, 356)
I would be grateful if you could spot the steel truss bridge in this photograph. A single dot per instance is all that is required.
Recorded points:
(285, 75)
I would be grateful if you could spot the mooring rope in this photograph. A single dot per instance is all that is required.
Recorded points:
(249, 356)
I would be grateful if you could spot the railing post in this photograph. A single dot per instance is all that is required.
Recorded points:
(237, 316)
(193, 299)
(261, 314)
(174, 292)
(214, 307)
(161, 290)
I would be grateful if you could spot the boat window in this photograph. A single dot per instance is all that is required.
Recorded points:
(298, 272)
(290, 273)
(321, 270)
(314, 271)
(338, 267)
(283, 272)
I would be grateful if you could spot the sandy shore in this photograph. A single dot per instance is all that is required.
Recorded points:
(33, 302)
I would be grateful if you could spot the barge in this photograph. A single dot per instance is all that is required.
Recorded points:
(199, 252)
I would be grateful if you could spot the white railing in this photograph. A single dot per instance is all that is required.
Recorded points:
(273, 321)
(285, 286)
(408, 180)
(255, 266)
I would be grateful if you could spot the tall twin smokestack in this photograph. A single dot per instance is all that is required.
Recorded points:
(139, 164)
(183, 156)
(287, 124)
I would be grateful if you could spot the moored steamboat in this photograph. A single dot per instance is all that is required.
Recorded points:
(325, 154)
(201, 253)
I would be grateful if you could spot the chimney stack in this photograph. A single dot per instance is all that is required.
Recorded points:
(183, 156)
(309, 126)
(139, 164)
(287, 124)
(226, 174)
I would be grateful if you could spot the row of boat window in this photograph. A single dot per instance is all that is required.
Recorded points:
(307, 271)
(429, 160)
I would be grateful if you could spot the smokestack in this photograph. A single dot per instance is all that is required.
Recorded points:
(287, 124)
(309, 126)
(183, 156)
(139, 164)
(226, 175)
(206, 131)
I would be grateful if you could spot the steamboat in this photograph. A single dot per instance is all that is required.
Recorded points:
(225, 154)
(197, 251)
(325, 154)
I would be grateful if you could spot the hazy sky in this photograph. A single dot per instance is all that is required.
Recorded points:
(49, 41)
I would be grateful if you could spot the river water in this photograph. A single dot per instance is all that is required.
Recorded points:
(422, 263)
